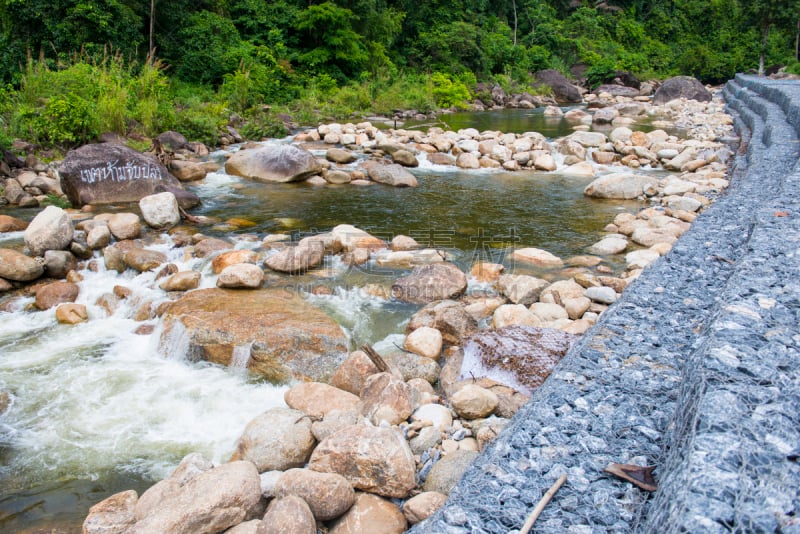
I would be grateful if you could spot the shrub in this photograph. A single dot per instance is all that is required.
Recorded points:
(448, 92)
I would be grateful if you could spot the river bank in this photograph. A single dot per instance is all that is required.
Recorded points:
(660, 224)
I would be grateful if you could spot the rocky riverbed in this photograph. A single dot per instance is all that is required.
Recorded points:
(367, 444)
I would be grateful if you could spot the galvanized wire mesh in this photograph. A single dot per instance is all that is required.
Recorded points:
(696, 371)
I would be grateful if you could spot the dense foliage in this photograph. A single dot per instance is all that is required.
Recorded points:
(75, 68)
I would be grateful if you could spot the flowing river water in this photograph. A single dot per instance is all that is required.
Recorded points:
(96, 408)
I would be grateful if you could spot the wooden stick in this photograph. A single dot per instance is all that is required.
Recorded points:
(376, 358)
(542, 503)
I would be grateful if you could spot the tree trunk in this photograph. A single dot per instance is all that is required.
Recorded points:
(763, 49)
(150, 52)
(514, 3)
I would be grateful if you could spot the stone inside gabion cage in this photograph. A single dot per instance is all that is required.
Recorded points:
(696, 371)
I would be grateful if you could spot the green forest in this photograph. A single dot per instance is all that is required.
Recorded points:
(72, 69)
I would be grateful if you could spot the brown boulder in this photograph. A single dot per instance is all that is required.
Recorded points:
(422, 506)
(113, 514)
(430, 283)
(296, 260)
(317, 399)
(353, 373)
(369, 515)
(278, 439)
(181, 281)
(287, 337)
(211, 502)
(386, 398)
(11, 224)
(449, 317)
(232, 257)
(109, 173)
(16, 266)
(207, 247)
(71, 313)
(288, 515)
(373, 459)
(328, 495)
(142, 260)
(56, 293)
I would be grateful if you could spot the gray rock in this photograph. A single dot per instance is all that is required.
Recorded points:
(681, 87)
(274, 163)
(448, 471)
(109, 173)
(394, 175)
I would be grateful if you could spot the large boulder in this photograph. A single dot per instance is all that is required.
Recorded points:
(114, 514)
(16, 266)
(373, 459)
(285, 336)
(297, 260)
(430, 283)
(520, 357)
(51, 229)
(211, 502)
(328, 495)
(11, 224)
(393, 174)
(274, 163)
(622, 186)
(287, 515)
(449, 317)
(317, 399)
(370, 514)
(56, 293)
(278, 439)
(108, 173)
(563, 89)
(681, 87)
(448, 471)
(386, 398)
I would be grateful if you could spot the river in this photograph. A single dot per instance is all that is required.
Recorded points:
(96, 408)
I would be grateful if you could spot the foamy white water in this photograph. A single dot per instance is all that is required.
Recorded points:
(95, 397)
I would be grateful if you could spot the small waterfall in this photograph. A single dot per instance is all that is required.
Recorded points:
(174, 343)
(240, 356)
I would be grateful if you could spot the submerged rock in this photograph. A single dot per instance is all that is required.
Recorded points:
(277, 333)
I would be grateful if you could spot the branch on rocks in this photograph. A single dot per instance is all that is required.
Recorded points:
(379, 362)
(542, 503)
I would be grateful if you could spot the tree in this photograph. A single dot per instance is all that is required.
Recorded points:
(332, 44)
(764, 14)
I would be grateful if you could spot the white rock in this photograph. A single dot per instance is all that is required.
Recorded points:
(160, 210)
(609, 245)
(603, 295)
(425, 341)
(51, 229)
